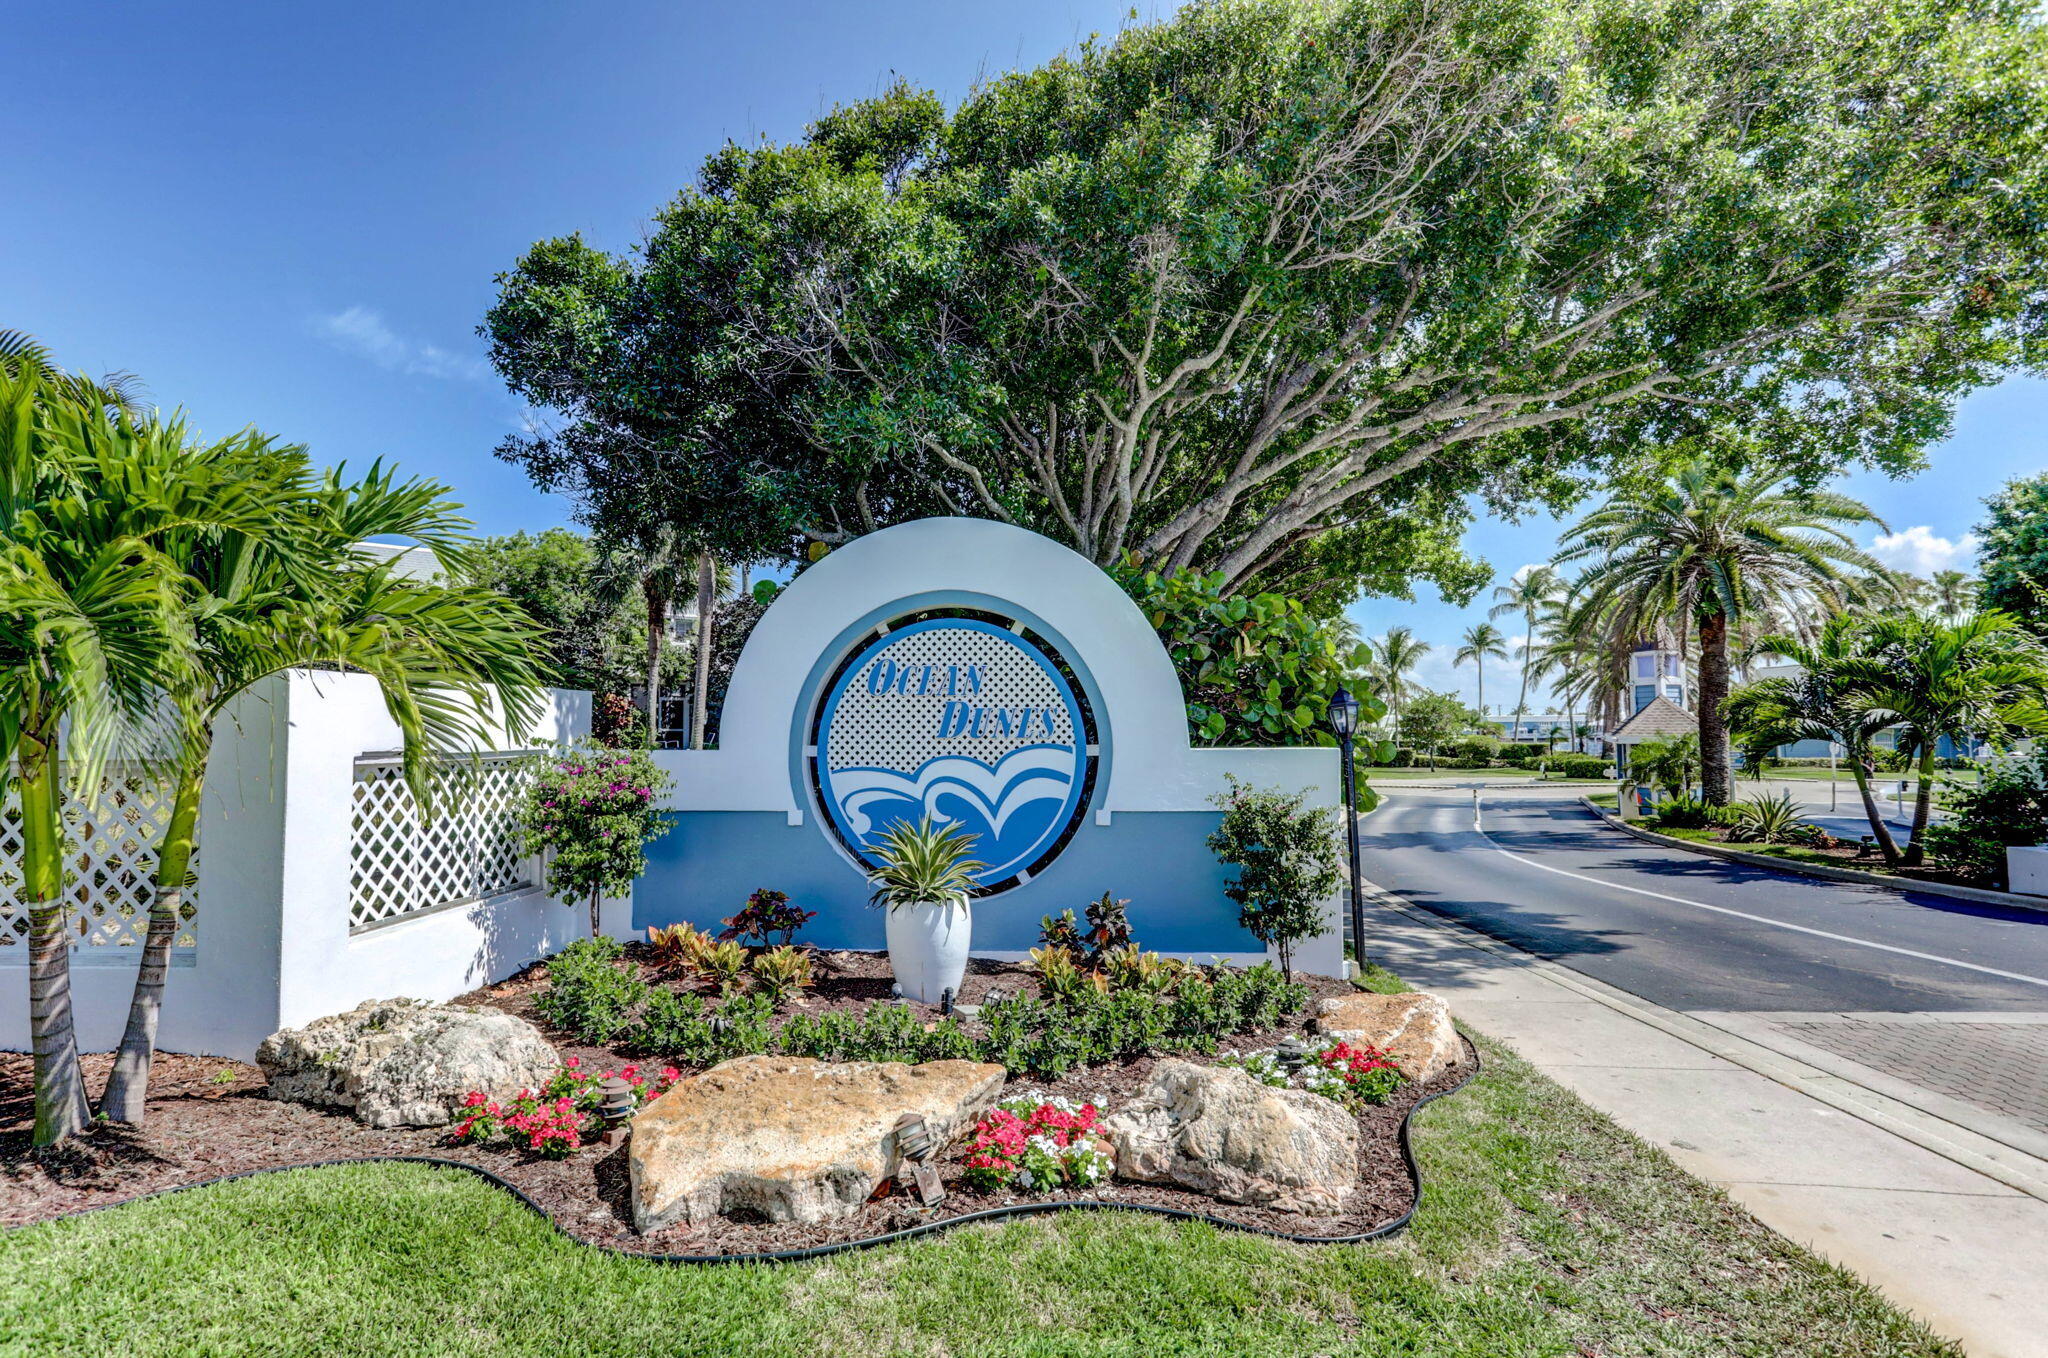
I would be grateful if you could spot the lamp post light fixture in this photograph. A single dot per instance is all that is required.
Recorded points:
(615, 1103)
(1344, 724)
(1291, 1055)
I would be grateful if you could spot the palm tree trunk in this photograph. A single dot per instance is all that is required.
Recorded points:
(1480, 665)
(61, 1110)
(706, 601)
(128, 1085)
(1879, 831)
(1528, 654)
(657, 628)
(1923, 802)
(1716, 777)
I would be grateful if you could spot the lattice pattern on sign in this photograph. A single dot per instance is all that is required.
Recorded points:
(111, 855)
(400, 865)
(890, 711)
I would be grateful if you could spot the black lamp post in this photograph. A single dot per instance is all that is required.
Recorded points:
(1344, 722)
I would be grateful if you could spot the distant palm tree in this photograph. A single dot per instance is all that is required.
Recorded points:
(1482, 642)
(1527, 596)
(1704, 547)
(1954, 592)
(1395, 657)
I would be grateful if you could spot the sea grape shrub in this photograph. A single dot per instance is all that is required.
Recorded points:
(767, 915)
(1036, 1143)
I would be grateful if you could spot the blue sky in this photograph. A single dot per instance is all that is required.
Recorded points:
(289, 216)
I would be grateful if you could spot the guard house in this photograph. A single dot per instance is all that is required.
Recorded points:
(1658, 719)
(1656, 671)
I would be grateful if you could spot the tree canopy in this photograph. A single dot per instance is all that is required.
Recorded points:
(2015, 551)
(1285, 291)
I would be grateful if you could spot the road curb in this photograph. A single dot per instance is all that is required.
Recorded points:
(1974, 1148)
(2010, 900)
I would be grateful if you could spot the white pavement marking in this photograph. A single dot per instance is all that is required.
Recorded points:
(1741, 914)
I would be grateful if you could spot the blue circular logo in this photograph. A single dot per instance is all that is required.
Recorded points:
(962, 721)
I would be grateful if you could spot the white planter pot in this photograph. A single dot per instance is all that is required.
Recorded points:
(928, 947)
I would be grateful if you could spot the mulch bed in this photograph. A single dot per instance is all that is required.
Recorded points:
(1845, 854)
(210, 1117)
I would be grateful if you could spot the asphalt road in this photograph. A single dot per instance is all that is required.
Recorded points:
(1690, 932)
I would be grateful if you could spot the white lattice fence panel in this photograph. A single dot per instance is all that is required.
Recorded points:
(110, 855)
(400, 865)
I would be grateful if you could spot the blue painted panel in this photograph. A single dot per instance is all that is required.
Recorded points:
(703, 869)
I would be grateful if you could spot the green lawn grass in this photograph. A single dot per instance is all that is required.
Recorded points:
(1546, 1230)
(1456, 775)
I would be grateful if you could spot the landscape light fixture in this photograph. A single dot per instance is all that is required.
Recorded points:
(915, 1144)
(615, 1103)
(1343, 723)
(1292, 1054)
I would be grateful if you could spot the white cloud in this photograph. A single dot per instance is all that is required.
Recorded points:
(1919, 550)
(360, 330)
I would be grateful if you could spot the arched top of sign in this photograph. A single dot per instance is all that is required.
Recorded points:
(968, 719)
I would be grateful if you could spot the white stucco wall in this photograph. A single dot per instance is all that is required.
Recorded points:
(274, 946)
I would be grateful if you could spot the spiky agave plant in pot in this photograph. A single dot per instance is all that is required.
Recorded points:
(922, 876)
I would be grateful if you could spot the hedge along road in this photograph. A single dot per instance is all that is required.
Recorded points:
(1690, 932)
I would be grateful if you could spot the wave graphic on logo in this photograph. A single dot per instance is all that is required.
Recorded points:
(994, 794)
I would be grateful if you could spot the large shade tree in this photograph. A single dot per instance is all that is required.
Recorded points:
(2014, 553)
(1700, 550)
(1281, 289)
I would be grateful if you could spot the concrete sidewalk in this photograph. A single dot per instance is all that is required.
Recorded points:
(1951, 1225)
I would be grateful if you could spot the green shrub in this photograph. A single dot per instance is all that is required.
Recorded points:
(1688, 812)
(1473, 752)
(2008, 806)
(1287, 862)
(590, 992)
(1577, 765)
(591, 995)
(1768, 819)
(1255, 669)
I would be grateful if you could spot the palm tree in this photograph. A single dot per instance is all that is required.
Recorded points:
(1981, 675)
(1955, 592)
(1394, 661)
(1482, 642)
(1526, 594)
(1704, 547)
(118, 392)
(1671, 762)
(256, 608)
(94, 628)
(1827, 701)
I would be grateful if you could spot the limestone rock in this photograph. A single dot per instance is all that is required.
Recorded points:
(792, 1138)
(1414, 1029)
(1216, 1130)
(406, 1063)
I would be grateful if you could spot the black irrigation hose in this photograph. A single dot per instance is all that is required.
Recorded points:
(838, 1247)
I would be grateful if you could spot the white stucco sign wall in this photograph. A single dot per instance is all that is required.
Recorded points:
(979, 673)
